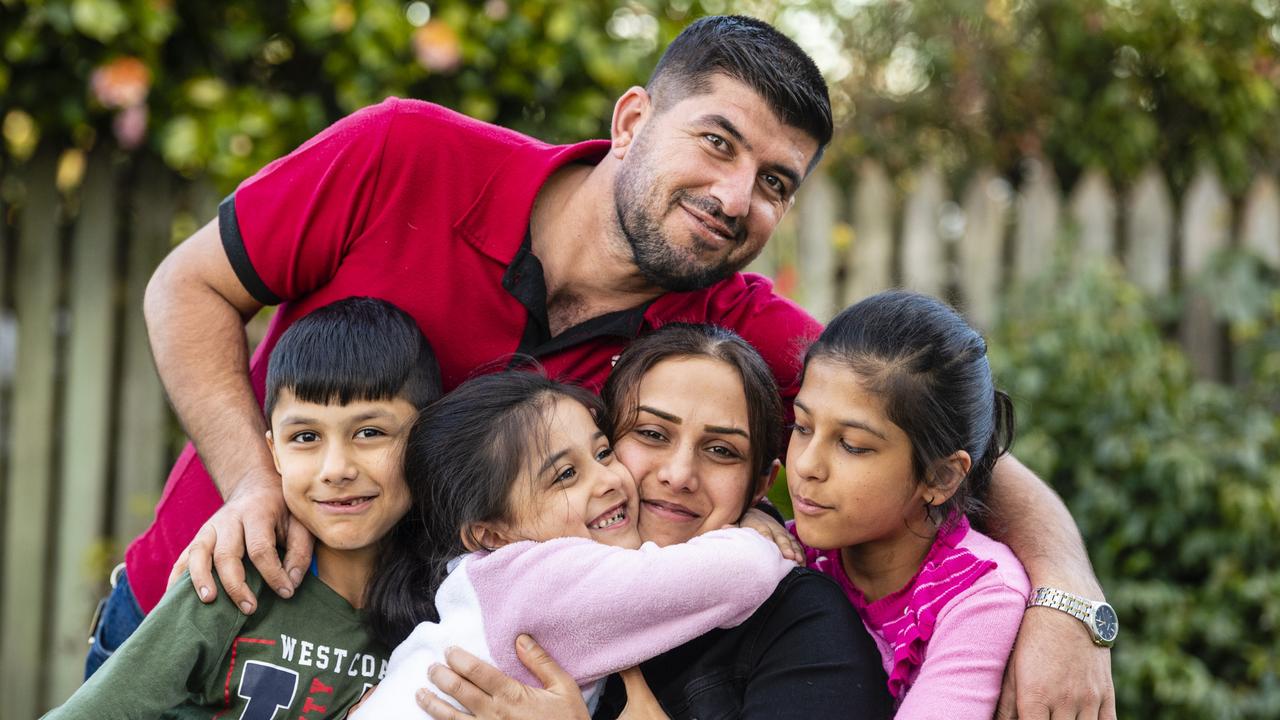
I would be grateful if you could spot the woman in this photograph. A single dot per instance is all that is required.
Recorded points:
(696, 419)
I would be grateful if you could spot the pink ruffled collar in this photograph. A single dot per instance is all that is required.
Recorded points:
(906, 618)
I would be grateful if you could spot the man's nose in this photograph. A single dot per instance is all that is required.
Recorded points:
(733, 190)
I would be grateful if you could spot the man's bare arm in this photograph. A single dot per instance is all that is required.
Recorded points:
(1055, 668)
(195, 309)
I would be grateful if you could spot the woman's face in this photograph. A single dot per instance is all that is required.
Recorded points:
(689, 449)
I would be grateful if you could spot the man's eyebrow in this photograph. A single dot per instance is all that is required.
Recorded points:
(725, 430)
(664, 415)
(732, 130)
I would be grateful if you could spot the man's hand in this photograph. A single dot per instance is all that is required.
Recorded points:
(254, 518)
(487, 693)
(1056, 672)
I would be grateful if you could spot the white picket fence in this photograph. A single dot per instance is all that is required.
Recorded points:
(840, 245)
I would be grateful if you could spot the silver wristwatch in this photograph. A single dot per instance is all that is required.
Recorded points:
(1096, 615)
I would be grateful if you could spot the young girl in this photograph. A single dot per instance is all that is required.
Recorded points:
(523, 522)
(898, 427)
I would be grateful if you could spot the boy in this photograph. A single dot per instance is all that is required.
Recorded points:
(344, 385)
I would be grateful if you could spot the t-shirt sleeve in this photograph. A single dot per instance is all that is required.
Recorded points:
(965, 659)
(167, 660)
(814, 654)
(599, 609)
(287, 228)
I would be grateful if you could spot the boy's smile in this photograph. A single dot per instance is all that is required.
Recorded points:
(342, 467)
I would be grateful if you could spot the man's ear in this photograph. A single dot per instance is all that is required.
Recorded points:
(629, 115)
(765, 482)
(271, 445)
(484, 536)
(948, 473)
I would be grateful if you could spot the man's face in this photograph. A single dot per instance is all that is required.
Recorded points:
(704, 182)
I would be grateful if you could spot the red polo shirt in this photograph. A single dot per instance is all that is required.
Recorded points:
(429, 210)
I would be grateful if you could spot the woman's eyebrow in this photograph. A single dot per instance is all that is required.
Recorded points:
(664, 415)
(725, 430)
(858, 424)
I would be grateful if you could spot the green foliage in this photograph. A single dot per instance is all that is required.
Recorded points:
(225, 87)
(1112, 83)
(1175, 484)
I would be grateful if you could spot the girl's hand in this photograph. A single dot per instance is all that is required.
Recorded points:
(760, 521)
(641, 703)
(488, 693)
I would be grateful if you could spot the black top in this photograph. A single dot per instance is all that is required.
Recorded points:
(804, 654)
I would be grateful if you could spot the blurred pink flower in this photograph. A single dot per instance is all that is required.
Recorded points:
(121, 83)
(437, 47)
(130, 126)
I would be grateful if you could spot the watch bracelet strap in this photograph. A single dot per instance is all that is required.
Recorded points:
(1073, 605)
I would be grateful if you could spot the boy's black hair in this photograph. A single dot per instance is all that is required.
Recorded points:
(754, 53)
(358, 348)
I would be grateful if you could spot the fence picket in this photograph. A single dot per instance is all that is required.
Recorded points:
(817, 218)
(1038, 212)
(1260, 229)
(1206, 227)
(86, 407)
(871, 253)
(923, 259)
(1093, 210)
(30, 479)
(142, 414)
(1149, 229)
(986, 206)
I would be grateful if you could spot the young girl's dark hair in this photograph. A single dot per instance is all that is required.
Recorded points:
(463, 456)
(686, 340)
(930, 368)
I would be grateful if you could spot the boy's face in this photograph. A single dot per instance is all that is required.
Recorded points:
(342, 466)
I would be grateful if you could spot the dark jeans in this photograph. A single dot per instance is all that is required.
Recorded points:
(118, 617)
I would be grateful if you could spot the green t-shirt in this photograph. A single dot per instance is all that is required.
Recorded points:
(307, 657)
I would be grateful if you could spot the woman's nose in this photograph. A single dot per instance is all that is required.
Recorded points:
(804, 460)
(679, 473)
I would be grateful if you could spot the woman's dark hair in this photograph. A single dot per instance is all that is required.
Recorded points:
(463, 456)
(358, 348)
(685, 340)
(754, 53)
(930, 368)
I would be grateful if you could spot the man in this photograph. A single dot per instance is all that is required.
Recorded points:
(499, 244)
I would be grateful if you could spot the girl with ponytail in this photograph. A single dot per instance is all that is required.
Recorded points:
(898, 426)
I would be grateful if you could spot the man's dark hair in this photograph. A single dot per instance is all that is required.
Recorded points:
(754, 53)
(354, 349)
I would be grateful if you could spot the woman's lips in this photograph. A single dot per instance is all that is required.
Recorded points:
(804, 505)
(670, 511)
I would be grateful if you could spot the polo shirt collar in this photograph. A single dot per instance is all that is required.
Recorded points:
(498, 220)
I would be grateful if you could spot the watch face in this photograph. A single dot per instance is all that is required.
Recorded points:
(1105, 623)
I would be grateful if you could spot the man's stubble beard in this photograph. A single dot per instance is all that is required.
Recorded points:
(635, 190)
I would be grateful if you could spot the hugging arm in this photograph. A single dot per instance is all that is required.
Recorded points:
(1055, 668)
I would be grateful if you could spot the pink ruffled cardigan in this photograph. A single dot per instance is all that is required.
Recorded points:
(945, 637)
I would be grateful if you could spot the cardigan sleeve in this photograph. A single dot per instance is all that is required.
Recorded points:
(964, 663)
(599, 609)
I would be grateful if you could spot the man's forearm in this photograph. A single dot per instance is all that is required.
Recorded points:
(198, 340)
(1032, 520)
